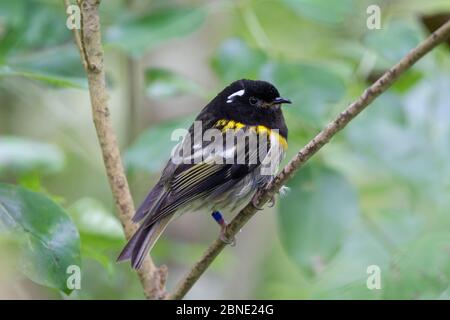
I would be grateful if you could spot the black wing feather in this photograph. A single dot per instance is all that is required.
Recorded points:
(183, 183)
(228, 174)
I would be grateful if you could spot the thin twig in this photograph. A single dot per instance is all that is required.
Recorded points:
(376, 89)
(77, 37)
(152, 278)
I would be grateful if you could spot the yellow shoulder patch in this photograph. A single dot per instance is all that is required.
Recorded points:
(229, 124)
(225, 125)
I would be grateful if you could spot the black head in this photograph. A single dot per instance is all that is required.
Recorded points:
(252, 102)
(253, 94)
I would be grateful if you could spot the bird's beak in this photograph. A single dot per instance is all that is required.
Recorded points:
(280, 100)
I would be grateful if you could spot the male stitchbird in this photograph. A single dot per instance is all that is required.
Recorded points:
(232, 150)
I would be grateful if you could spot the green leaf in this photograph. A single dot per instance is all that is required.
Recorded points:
(49, 79)
(347, 274)
(162, 83)
(236, 60)
(324, 11)
(136, 35)
(153, 147)
(62, 61)
(311, 88)
(22, 156)
(49, 239)
(28, 26)
(421, 270)
(40, 52)
(316, 215)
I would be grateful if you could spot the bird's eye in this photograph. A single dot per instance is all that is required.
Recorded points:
(253, 101)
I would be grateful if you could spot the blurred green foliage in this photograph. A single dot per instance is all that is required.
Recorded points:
(163, 83)
(153, 147)
(22, 156)
(136, 35)
(314, 86)
(313, 235)
(330, 12)
(376, 195)
(235, 58)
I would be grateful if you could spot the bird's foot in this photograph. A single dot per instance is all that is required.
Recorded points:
(255, 201)
(226, 239)
(272, 201)
(282, 192)
(223, 229)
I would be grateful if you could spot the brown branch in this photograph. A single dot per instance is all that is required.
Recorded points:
(84, 54)
(376, 89)
(152, 278)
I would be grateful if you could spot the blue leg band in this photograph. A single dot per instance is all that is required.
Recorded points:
(218, 217)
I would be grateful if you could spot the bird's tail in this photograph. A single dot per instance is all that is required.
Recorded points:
(143, 241)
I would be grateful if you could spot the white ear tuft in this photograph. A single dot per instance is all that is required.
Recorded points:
(237, 93)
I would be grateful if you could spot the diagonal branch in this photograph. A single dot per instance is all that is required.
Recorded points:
(91, 51)
(376, 89)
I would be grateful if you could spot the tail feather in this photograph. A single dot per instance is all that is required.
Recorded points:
(143, 241)
(150, 203)
(126, 252)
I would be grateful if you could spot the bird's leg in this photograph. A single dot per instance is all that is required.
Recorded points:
(223, 228)
(254, 201)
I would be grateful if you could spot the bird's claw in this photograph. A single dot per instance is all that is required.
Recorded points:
(272, 202)
(255, 202)
(225, 239)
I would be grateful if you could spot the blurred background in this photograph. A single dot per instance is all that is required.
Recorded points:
(378, 194)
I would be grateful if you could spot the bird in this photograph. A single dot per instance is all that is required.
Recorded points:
(230, 152)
